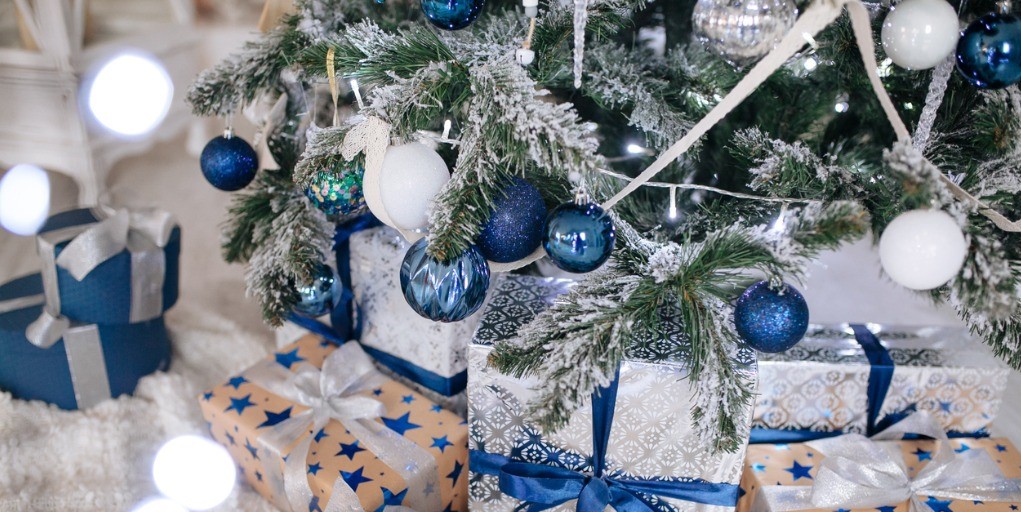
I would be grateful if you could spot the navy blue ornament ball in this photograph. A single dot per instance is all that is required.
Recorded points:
(317, 297)
(514, 229)
(452, 14)
(444, 291)
(989, 51)
(769, 320)
(579, 237)
(229, 163)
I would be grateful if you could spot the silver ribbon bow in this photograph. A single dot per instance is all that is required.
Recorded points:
(144, 233)
(337, 392)
(858, 472)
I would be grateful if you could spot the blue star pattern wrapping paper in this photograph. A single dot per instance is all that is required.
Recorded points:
(823, 383)
(652, 436)
(390, 326)
(798, 464)
(365, 462)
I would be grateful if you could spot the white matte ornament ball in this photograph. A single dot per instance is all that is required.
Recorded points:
(919, 34)
(524, 56)
(411, 176)
(922, 249)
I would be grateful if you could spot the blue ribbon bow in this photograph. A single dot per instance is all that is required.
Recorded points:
(544, 487)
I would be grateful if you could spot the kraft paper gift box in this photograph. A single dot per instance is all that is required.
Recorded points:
(859, 378)
(652, 450)
(321, 422)
(783, 477)
(430, 356)
(87, 364)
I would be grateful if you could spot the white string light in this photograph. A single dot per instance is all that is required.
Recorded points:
(672, 213)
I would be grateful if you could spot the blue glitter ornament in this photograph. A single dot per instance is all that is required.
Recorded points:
(338, 192)
(989, 51)
(514, 229)
(444, 292)
(228, 162)
(316, 298)
(579, 237)
(771, 321)
(452, 14)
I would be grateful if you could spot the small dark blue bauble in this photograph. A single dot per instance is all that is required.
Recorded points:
(317, 297)
(229, 163)
(579, 237)
(444, 292)
(771, 321)
(989, 51)
(452, 14)
(514, 229)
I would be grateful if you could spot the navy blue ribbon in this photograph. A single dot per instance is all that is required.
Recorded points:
(543, 487)
(343, 318)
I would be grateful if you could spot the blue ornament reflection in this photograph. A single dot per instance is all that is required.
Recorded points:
(317, 297)
(514, 229)
(444, 291)
(452, 14)
(229, 163)
(989, 51)
(769, 320)
(579, 237)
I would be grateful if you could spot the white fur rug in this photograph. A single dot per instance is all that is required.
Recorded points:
(101, 459)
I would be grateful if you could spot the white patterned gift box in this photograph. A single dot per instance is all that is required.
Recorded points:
(823, 383)
(391, 327)
(652, 437)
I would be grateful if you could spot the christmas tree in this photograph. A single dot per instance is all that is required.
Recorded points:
(595, 99)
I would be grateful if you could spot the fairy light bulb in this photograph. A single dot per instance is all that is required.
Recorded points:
(130, 94)
(672, 213)
(24, 199)
(194, 472)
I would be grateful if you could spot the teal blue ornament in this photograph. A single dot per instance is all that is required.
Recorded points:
(317, 296)
(444, 291)
(338, 192)
(989, 51)
(771, 320)
(228, 162)
(514, 229)
(579, 236)
(452, 14)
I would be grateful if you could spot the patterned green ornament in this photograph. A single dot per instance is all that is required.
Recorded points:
(338, 192)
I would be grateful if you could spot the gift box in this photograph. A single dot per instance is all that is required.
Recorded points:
(430, 355)
(858, 378)
(88, 363)
(852, 472)
(110, 266)
(637, 437)
(315, 426)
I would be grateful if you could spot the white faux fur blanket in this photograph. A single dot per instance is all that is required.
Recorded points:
(101, 459)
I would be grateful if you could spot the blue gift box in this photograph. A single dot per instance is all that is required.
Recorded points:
(88, 364)
(110, 267)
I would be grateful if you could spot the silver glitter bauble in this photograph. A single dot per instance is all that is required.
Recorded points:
(742, 31)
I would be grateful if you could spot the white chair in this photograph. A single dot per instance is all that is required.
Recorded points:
(42, 121)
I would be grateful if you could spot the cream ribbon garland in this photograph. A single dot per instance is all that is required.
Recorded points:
(859, 473)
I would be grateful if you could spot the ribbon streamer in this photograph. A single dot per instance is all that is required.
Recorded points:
(336, 392)
(858, 473)
(545, 487)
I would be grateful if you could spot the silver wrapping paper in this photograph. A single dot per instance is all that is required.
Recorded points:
(822, 383)
(652, 433)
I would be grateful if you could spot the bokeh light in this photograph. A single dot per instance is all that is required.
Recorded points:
(24, 199)
(131, 94)
(194, 471)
